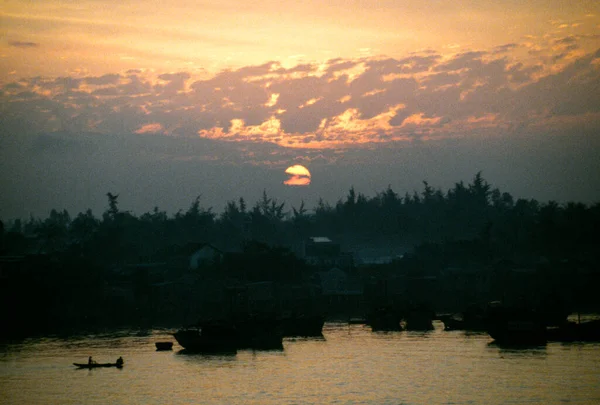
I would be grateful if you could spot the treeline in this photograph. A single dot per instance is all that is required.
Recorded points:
(473, 211)
(90, 271)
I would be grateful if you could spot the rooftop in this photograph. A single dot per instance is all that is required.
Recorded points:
(320, 239)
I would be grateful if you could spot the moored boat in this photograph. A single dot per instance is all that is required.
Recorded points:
(515, 326)
(473, 318)
(385, 319)
(518, 332)
(259, 333)
(208, 337)
(575, 332)
(419, 319)
(303, 325)
(163, 346)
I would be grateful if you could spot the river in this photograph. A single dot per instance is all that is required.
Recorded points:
(350, 365)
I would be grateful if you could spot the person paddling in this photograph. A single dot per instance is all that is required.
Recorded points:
(120, 362)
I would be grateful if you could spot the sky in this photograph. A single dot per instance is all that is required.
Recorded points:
(163, 103)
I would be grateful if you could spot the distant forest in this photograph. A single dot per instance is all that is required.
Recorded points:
(505, 227)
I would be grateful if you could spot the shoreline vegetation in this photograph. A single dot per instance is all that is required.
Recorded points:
(444, 250)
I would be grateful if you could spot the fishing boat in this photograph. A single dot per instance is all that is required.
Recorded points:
(473, 318)
(518, 332)
(588, 331)
(419, 319)
(208, 337)
(160, 346)
(515, 325)
(385, 319)
(97, 365)
(259, 333)
(306, 325)
(92, 364)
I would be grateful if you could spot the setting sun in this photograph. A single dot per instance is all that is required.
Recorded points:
(299, 176)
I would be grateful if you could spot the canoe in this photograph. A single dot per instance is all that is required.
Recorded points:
(97, 365)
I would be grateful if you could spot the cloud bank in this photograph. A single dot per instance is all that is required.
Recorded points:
(338, 104)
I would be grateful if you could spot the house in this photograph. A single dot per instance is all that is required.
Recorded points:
(323, 252)
(206, 255)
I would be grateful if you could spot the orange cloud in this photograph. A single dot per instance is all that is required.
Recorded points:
(297, 181)
(343, 103)
(273, 100)
(150, 128)
(419, 120)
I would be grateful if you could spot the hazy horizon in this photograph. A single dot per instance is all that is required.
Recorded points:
(49, 181)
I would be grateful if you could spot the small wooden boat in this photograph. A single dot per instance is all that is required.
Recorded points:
(518, 325)
(208, 337)
(473, 318)
(259, 333)
(164, 345)
(519, 332)
(307, 325)
(385, 319)
(576, 332)
(97, 365)
(92, 364)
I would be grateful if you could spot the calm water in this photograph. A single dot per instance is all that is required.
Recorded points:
(351, 365)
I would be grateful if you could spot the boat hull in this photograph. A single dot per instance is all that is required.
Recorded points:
(164, 346)
(193, 341)
(519, 332)
(97, 365)
(304, 326)
(576, 332)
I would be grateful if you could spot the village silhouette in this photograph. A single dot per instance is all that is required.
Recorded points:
(429, 251)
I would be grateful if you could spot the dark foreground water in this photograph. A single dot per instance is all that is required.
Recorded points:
(351, 365)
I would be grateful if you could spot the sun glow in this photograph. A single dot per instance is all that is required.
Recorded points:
(298, 176)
